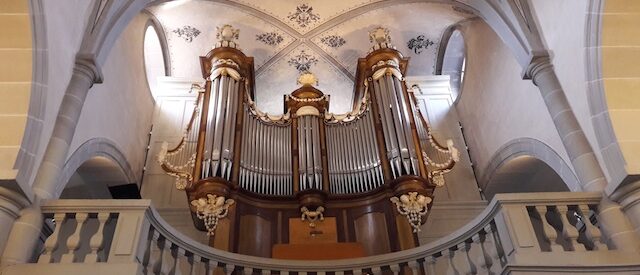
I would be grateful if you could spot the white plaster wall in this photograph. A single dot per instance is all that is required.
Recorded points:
(562, 25)
(496, 105)
(65, 25)
(120, 109)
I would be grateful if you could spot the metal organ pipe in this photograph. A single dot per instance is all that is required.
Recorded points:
(395, 113)
(218, 150)
(309, 152)
(354, 163)
(265, 166)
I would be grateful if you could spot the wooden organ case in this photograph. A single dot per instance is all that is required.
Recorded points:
(308, 184)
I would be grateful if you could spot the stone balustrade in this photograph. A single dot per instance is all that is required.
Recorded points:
(516, 234)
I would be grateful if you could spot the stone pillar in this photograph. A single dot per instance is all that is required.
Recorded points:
(11, 203)
(628, 196)
(23, 237)
(25, 232)
(616, 226)
(85, 73)
(575, 141)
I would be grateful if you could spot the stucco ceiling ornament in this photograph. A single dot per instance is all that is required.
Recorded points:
(413, 206)
(333, 41)
(270, 38)
(212, 209)
(188, 33)
(303, 16)
(303, 61)
(227, 36)
(312, 216)
(419, 43)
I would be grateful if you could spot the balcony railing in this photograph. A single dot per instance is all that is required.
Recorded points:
(541, 232)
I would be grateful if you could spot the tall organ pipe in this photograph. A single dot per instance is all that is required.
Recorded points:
(354, 162)
(220, 127)
(265, 163)
(397, 120)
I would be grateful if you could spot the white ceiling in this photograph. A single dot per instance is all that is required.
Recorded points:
(331, 35)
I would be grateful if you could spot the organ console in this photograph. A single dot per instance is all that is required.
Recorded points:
(371, 172)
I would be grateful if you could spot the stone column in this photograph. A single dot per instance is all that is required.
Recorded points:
(628, 196)
(11, 203)
(575, 141)
(23, 238)
(85, 73)
(25, 232)
(615, 224)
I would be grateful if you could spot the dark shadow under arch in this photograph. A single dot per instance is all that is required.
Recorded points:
(97, 149)
(539, 154)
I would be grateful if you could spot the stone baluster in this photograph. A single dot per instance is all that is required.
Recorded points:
(469, 265)
(195, 265)
(248, 271)
(211, 267)
(73, 242)
(591, 231)
(491, 247)
(413, 265)
(569, 231)
(452, 267)
(167, 262)
(376, 270)
(228, 268)
(52, 242)
(395, 269)
(430, 265)
(159, 259)
(355, 272)
(268, 272)
(148, 260)
(549, 232)
(177, 263)
(97, 241)
(484, 258)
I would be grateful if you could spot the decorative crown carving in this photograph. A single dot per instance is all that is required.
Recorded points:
(380, 38)
(379, 35)
(227, 35)
(307, 79)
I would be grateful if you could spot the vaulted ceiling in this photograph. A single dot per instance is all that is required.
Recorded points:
(286, 37)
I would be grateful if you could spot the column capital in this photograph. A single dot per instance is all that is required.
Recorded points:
(87, 66)
(537, 65)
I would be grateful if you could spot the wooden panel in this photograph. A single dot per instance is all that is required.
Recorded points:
(322, 251)
(254, 236)
(406, 237)
(371, 232)
(324, 232)
(222, 239)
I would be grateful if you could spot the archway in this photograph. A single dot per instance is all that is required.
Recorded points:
(97, 170)
(524, 174)
(526, 165)
(97, 178)
(451, 59)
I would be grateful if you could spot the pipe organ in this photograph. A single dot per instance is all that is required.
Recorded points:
(347, 173)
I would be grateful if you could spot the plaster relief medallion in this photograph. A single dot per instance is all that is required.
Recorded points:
(270, 38)
(303, 15)
(303, 61)
(419, 43)
(333, 41)
(188, 33)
